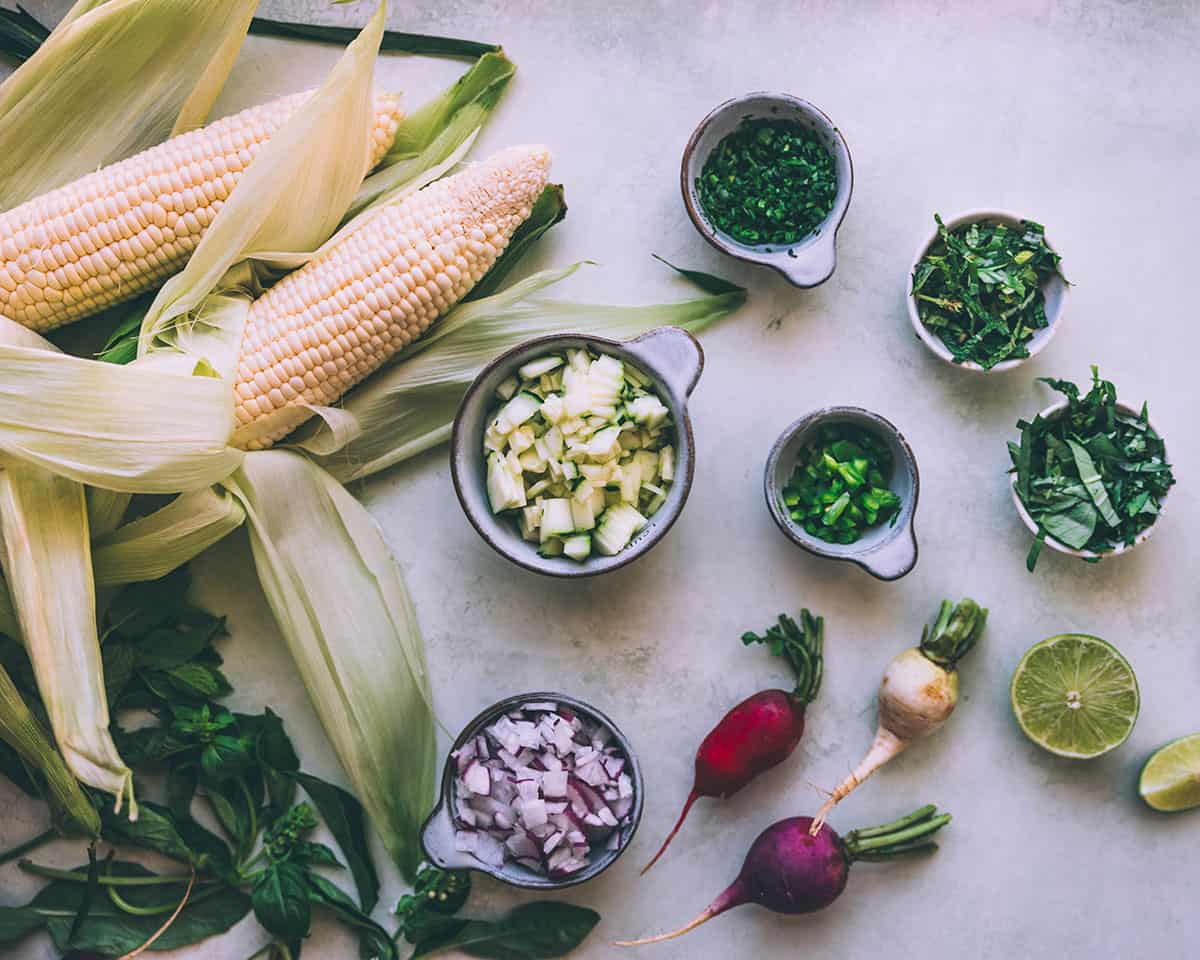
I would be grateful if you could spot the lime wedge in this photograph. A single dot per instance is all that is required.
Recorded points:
(1170, 780)
(1075, 696)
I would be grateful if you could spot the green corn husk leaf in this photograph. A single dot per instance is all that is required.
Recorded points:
(21, 731)
(344, 611)
(162, 63)
(154, 545)
(410, 407)
(437, 130)
(291, 198)
(48, 565)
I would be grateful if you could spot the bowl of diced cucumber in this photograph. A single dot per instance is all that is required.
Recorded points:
(572, 455)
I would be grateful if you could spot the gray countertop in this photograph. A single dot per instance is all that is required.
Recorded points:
(1081, 115)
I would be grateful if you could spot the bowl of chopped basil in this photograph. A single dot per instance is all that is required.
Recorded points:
(1090, 474)
(767, 178)
(842, 483)
(986, 290)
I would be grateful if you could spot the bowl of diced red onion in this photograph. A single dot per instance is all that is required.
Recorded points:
(540, 790)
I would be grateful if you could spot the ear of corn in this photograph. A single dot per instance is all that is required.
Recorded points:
(344, 611)
(116, 233)
(325, 327)
(162, 63)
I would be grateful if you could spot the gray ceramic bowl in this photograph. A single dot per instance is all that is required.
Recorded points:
(670, 357)
(887, 552)
(1055, 291)
(1052, 411)
(809, 262)
(437, 835)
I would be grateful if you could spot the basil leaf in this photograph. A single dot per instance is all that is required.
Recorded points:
(280, 901)
(277, 757)
(530, 932)
(1095, 485)
(1074, 527)
(343, 814)
(374, 942)
(181, 788)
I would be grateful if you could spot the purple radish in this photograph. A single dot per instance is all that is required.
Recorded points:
(789, 870)
(763, 730)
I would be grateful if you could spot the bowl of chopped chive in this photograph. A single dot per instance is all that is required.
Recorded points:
(986, 290)
(767, 178)
(1090, 474)
(842, 483)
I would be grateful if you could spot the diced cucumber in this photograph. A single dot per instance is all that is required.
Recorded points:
(666, 464)
(581, 515)
(554, 442)
(551, 548)
(532, 463)
(506, 491)
(535, 368)
(578, 360)
(583, 491)
(636, 377)
(617, 527)
(578, 547)
(597, 502)
(494, 439)
(537, 488)
(596, 472)
(521, 439)
(552, 408)
(657, 497)
(631, 482)
(529, 531)
(507, 388)
(556, 518)
(648, 461)
(605, 443)
(570, 470)
(519, 409)
(647, 410)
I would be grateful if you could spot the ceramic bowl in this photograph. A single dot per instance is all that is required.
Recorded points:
(437, 835)
(1055, 290)
(1054, 410)
(887, 551)
(809, 262)
(671, 358)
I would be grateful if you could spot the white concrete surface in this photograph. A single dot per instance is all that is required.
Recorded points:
(1081, 115)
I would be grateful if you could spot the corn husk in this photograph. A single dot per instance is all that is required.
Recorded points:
(113, 78)
(47, 563)
(20, 729)
(154, 545)
(345, 614)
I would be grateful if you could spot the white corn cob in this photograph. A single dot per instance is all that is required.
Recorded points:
(115, 233)
(325, 327)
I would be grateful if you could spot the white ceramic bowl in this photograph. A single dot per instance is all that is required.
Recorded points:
(1055, 290)
(1057, 545)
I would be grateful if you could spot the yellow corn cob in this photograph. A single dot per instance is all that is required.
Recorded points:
(115, 233)
(325, 327)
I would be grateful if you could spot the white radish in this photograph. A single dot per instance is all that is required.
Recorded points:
(918, 693)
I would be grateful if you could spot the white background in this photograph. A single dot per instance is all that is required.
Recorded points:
(1081, 115)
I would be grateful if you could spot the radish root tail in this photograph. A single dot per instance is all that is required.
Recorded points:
(703, 918)
(886, 746)
(674, 830)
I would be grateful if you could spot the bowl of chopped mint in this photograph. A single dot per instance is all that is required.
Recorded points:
(1090, 474)
(767, 178)
(986, 290)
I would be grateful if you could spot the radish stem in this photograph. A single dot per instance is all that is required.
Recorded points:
(886, 746)
(692, 798)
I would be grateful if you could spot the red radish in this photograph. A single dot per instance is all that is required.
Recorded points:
(918, 693)
(763, 730)
(789, 870)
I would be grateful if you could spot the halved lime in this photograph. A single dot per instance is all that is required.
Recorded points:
(1075, 695)
(1170, 780)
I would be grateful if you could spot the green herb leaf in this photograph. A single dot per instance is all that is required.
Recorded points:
(375, 943)
(530, 932)
(16, 923)
(280, 900)
(344, 817)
